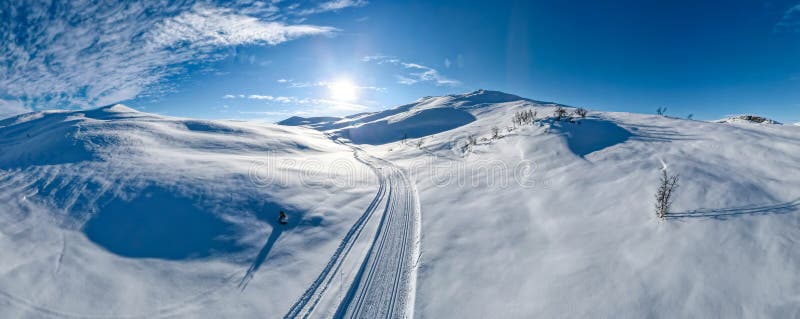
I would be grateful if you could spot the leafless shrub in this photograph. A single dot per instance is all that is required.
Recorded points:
(495, 132)
(524, 118)
(581, 112)
(666, 186)
(559, 113)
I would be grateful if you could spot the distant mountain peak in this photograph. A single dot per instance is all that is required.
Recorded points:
(117, 108)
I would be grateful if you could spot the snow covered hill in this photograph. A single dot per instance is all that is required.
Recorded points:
(116, 213)
(448, 207)
(555, 219)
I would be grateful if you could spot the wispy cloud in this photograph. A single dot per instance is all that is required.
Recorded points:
(294, 84)
(333, 5)
(212, 26)
(122, 51)
(330, 105)
(261, 97)
(415, 72)
(790, 21)
(11, 107)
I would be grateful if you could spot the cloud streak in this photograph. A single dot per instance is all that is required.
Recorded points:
(81, 53)
(416, 73)
(333, 5)
(307, 105)
(790, 20)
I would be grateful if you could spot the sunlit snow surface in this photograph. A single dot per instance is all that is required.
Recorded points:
(117, 213)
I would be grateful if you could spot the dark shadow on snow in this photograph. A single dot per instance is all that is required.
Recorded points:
(592, 135)
(269, 214)
(722, 213)
(424, 123)
(160, 224)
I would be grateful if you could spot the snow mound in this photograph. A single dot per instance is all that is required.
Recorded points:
(142, 213)
(755, 119)
(426, 116)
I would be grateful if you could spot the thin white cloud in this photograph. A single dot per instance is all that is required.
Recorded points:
(294, 84)
(122, 51)
(330, 105)
(790, 21)
(416, 72)
(260, 97)
(10, 108)
(333, 5)
(211, 26)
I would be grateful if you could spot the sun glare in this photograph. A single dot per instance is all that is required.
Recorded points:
(343, 90)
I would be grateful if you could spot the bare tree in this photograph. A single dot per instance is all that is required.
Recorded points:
(581, 112)
(559, 113)
(661, 111)
(471, 140)
(524, 117)
(666, 187)
(419, 143)
(495, 132)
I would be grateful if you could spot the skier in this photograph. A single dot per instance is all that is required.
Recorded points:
(282, 218)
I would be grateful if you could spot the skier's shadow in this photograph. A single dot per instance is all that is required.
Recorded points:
(722, 213)
(270, 215)
(277, 230)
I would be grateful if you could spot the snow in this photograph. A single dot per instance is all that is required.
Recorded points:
(393, 214)
(556, 219)
(139, 215)
(747, 119)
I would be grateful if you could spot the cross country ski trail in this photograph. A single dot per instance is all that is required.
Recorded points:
(381, 281)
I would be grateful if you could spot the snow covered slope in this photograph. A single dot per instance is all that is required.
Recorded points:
(556, 219)
(115, 213)
(442, 208)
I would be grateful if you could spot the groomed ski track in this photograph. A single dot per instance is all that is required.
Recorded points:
(382, 283)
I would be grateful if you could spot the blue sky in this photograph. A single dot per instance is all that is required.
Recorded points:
(267, 60)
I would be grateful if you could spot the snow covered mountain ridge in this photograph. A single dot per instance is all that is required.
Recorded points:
(400, 213)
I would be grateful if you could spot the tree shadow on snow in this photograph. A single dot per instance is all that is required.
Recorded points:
(723, 213)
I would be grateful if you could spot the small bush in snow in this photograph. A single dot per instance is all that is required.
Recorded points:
(559, 113)
(581, 112)
(495, 132)
(661, 111)
(419, 143)
(666, 186)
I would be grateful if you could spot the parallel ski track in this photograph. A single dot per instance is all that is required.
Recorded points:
(385, 283)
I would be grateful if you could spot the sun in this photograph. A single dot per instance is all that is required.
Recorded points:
(343, 90)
